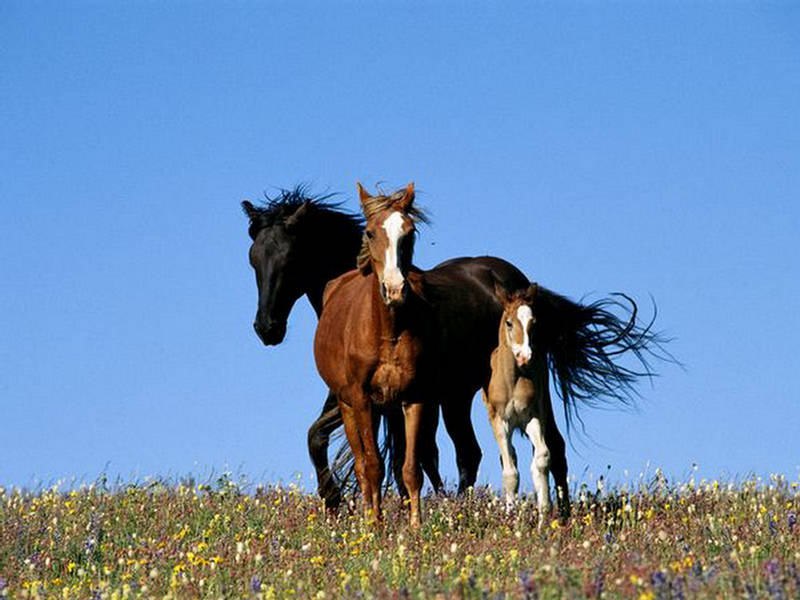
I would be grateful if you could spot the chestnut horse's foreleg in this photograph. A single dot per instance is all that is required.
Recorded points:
(354, 439)
(318, 436)
(412, 474)
(365, 446)
(457, 421)
(397, 431)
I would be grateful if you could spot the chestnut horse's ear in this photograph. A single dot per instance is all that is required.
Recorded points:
(501, 293)
(408, 197)
(293, 219)
(249, 209)
(363, 194)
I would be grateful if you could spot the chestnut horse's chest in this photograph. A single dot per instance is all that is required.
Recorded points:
(397, 369)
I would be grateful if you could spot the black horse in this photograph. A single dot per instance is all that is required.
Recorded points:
(583, 342)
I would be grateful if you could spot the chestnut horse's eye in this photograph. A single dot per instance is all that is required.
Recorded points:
(508, 324)
(370, 235)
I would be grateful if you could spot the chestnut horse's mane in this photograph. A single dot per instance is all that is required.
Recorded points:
(375, 204)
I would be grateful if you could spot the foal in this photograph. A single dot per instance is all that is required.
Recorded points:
(518, 395)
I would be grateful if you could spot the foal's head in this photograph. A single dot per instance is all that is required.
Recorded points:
(389, 240)
(518, 321)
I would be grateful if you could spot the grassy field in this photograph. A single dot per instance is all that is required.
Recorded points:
(157, 540)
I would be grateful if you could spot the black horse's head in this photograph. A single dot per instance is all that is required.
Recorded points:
(298, 242)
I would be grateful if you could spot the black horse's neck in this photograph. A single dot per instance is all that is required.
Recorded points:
(334, 243)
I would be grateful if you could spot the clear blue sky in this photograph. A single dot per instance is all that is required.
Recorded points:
(634, 147)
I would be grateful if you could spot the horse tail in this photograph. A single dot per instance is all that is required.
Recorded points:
(594, 355)
(344, 462)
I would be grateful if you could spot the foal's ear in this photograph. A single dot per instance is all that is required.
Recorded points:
(363, 194)
(530, 294)
(501, 293)
(297, 216)
(249, 209)
(408, 197)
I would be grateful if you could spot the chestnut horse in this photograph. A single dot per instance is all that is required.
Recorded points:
(373, 344)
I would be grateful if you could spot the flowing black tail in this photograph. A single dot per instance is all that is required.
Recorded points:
(343, 466)
(588, 347)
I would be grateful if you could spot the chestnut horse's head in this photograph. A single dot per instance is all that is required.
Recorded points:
(518, 321)
(389, 240)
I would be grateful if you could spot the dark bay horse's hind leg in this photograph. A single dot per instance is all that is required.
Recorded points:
(558, 460)
(318, 436)
(457, 420)
(428, 450)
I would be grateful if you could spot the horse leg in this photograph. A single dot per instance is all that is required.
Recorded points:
(412, 474)
(397, 432)
(558, 456)
(371, 459)
(540, 465)
(508, 458)
(457, 421)
(428, 450)
(318, 435)
(354, 439)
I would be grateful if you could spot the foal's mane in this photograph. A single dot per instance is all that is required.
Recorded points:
(275, 210)
(375, 204)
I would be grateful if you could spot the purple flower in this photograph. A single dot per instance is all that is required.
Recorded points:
(255, 584)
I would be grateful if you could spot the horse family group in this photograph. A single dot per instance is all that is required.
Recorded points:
(400, 343)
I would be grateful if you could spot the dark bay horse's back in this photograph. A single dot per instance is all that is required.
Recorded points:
(461, 291)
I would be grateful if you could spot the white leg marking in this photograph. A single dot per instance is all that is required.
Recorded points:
(508, 458)
(540, 466)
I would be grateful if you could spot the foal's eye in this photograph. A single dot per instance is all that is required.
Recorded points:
(370, 235)
(509, 324)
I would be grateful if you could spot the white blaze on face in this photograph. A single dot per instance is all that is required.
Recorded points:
(392, 277)
(522, 352)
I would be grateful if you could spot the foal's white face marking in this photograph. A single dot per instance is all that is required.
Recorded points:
(392, 277)
(522, 352)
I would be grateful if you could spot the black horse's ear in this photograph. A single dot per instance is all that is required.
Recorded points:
(297, 216)
(249, 209)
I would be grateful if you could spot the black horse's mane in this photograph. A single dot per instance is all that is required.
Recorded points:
(275, 210)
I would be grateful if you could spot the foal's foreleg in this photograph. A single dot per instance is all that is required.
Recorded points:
(508, 458)
(540, 466)
(558, 460)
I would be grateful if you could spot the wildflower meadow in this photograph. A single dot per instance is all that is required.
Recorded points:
(170, 540)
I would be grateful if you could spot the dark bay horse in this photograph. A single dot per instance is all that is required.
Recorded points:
(583, 343)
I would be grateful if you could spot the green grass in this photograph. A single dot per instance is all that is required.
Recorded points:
(183, 541)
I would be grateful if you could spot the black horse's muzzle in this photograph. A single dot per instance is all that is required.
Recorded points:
(271, 333)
